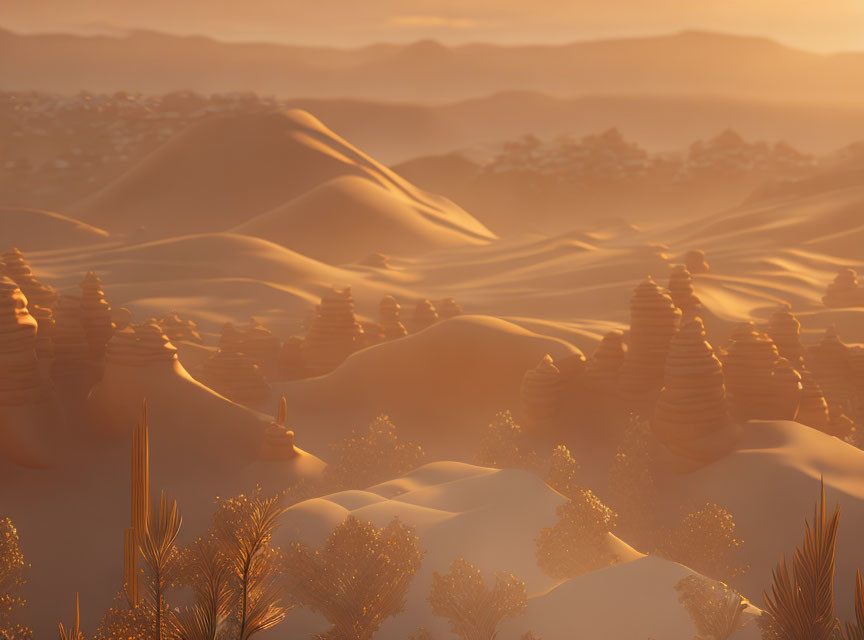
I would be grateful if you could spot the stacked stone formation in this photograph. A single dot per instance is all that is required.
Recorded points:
(121, 317)
(291, 358)
(829, 362)
(541, 392)
(140, 345)
(37, 293)
(95, 315)
(391, 323)
(254, 340)
(20, 382)
(787, 390)
(785, 330)
(334, 333)
(654, 320)
(572, 367)
(690, 413)
(749, 367)
(682, 293)
(45, 333)
(449, 308)
(278, 439)
(695, 262)
(606, 361)
(72, 356)
(813, 409)
(178, 329)
(844, 291)
(235, 376)
(425, 315)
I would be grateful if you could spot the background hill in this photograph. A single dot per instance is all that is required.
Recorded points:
(428, 71)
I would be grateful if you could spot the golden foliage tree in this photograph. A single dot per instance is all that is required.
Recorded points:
(504, 445)
(244, 526)
(714, 608)
(474, 610)
(578, 543)
(12, 566)
(373, 456)
(358, 578)
(801, 604)
(705, 541)
(563, 473)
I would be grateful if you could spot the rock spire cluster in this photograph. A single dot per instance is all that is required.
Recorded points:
(334, 334)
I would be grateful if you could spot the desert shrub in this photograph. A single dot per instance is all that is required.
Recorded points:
(12, 566)
(563, 473)
(358, 579)
(714, 608)
(372, 456)
(578, 543)
(633, 488)
(705, 541)
(474, 610)
(122, 622)
(504, 445)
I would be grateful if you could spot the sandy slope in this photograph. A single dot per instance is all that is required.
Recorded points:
(441, 386)
(225, 171)
(71, 517)
(770, 484)
(828, 221)
(491, 518)
(369, 218)
(30, 229)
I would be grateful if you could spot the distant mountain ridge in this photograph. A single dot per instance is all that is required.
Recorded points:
(427, 71)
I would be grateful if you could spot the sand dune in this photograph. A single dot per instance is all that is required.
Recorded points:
(441, 386)
(770, 484)
(33, 229)
(491, 517)
(370, 218)
(227, 170)
(829, 222)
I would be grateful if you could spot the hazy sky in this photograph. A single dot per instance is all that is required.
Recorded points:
(825, 25)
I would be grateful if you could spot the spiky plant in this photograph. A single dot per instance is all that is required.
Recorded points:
(245, 527)
(140, 506)
(801, 604)
(160, 557)
(474, 610)
(855, 630)
(74, 633)
(358, 578)
(208, 574)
